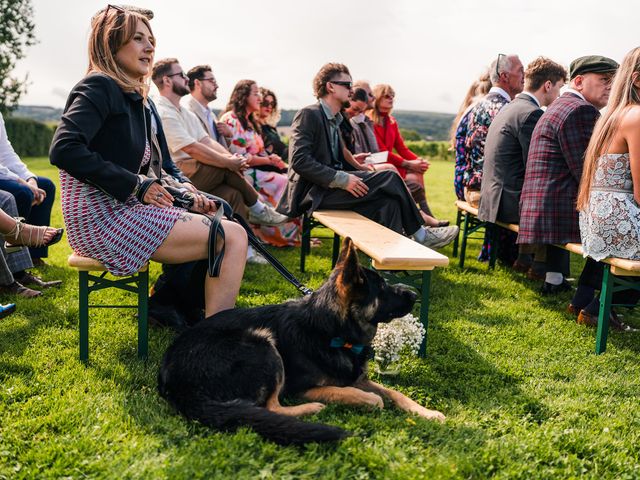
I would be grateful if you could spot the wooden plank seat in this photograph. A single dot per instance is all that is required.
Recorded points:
(137, 283)
(389, 252)
(468, 223)
(614, 268)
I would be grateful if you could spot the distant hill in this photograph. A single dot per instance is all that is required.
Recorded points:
(430, 125)
(39, 113)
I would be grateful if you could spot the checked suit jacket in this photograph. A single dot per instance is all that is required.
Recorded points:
(556, 156)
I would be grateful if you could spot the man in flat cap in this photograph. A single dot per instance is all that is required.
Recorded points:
(548, 213)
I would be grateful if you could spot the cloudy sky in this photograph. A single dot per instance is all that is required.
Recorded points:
(428, 51)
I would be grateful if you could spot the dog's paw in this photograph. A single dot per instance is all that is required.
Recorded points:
(372, 400)
(426, 413)
(313, 407)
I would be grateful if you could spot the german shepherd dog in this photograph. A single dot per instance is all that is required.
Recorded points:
(231, 369)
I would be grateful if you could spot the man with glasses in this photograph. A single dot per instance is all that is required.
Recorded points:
(208, 165)
(321, 178)
(507, 80)
(548, 214)
(204, 90)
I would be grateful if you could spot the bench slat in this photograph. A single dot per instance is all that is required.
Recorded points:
(91, 264)
(387, 249)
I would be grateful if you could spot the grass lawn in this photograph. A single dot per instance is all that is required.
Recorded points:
(524, 394)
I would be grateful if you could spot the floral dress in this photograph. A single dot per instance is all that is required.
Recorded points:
(269, 185)
(610, 225)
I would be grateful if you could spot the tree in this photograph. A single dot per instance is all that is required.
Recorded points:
(16, 34)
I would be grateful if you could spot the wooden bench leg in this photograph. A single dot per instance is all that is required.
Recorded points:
(143, 324)
(336, 250)
(457, 239)
(605, 309)
(424, 310)
(465, 232)
(83, 308)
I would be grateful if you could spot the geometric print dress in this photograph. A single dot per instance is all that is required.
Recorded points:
(123, 236)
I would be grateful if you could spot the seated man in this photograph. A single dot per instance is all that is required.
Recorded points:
(317, 176)
(208, 165)
(34, 195)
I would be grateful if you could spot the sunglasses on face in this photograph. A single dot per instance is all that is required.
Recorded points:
(268, 104)
(347, 85)
(389, 96)
(182, 74)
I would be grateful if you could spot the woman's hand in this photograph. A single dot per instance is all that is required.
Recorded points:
(157, 195)
(359, 157)
(276, 161)
(418, 165)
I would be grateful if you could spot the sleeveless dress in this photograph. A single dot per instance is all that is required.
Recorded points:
(610, 225)
(123, 236)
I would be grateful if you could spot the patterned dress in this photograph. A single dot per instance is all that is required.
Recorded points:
(123, 236)
(610, 225)
(461, 159)
(269, 185)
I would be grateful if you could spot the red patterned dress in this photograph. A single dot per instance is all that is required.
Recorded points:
(123, 236)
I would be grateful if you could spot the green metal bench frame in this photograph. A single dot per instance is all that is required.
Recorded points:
(137, 283)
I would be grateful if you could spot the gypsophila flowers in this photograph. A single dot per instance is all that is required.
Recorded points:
(391, 338)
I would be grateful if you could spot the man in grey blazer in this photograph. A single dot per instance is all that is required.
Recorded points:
(321, 177)
(204, 90)
(507, 146)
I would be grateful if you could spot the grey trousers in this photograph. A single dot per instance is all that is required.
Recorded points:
(11, 263)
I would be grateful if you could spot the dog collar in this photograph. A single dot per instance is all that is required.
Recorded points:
(339, 342)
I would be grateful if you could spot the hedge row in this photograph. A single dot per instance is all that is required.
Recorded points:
(29, 138)
(433, 150)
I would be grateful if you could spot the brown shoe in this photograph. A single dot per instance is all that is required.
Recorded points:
(520, 267)
(16, 288)
(585, 318)
(533, 275)
(30, 279)
(573, 310)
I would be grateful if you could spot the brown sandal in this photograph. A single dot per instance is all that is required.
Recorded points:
(27, 235)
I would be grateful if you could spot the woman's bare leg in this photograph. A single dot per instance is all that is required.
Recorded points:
(188, 241)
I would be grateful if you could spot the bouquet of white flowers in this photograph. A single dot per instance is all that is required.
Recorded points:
(392, 338)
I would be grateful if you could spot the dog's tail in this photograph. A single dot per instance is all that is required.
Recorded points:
(281, 429)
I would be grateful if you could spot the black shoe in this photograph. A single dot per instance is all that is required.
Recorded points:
(27, 278)
(550, 289)
(166, 316)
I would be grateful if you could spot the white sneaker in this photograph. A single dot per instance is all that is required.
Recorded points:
(257, 259)
(268, 216)
(439, 236)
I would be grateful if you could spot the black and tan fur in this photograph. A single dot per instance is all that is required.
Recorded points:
(231, 369)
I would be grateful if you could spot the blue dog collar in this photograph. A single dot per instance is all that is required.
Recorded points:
(339, 342)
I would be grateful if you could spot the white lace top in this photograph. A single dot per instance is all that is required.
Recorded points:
(610, 225)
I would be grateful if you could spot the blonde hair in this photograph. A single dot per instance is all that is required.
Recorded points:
(111, 29)
(379, 91)
(623, 94)
(478, 89)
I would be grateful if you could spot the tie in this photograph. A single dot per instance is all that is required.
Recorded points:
(212, 126)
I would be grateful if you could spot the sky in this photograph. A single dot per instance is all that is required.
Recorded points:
(429, 51)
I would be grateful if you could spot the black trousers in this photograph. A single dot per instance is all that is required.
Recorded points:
(592, 274)
(387, 202)
(557, 260)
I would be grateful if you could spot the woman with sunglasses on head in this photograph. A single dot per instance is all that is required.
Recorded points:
(268, 117)
(104, 147)
(265, 172)
(410, 167)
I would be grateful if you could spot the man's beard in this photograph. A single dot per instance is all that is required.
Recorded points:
(179, 90)
(210, 98)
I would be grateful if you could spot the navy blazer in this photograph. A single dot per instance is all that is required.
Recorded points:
(101, 136)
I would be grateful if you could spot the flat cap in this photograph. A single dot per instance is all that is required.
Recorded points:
(592, 64)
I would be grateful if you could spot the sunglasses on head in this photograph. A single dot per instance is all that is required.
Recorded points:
(268, 104)
(106, 11)
(498, 63)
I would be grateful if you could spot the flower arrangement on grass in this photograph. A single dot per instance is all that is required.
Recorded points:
(402, 335)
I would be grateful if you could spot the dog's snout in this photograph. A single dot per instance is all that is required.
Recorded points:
(413, 296)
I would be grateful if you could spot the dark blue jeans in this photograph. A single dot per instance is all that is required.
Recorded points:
(33, 214)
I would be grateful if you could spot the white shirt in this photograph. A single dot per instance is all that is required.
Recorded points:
(534, 98)
(11, 167)
(575, 92)
(181, 128)
(501, 92)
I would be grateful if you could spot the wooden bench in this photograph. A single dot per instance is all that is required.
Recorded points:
(614, 268)
(468, 223)
(87, 282)
(389, 252)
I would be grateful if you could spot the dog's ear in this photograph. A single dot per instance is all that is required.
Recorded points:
(348, 266)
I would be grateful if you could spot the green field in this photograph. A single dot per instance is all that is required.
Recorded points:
(524, 394)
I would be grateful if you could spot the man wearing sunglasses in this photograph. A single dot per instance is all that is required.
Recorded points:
(321, 178)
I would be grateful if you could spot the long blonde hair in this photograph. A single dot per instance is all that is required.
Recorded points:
(110, 30)
(479, 88)
(623, 94)
(379, 91)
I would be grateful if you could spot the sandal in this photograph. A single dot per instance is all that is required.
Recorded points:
(27, 235)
